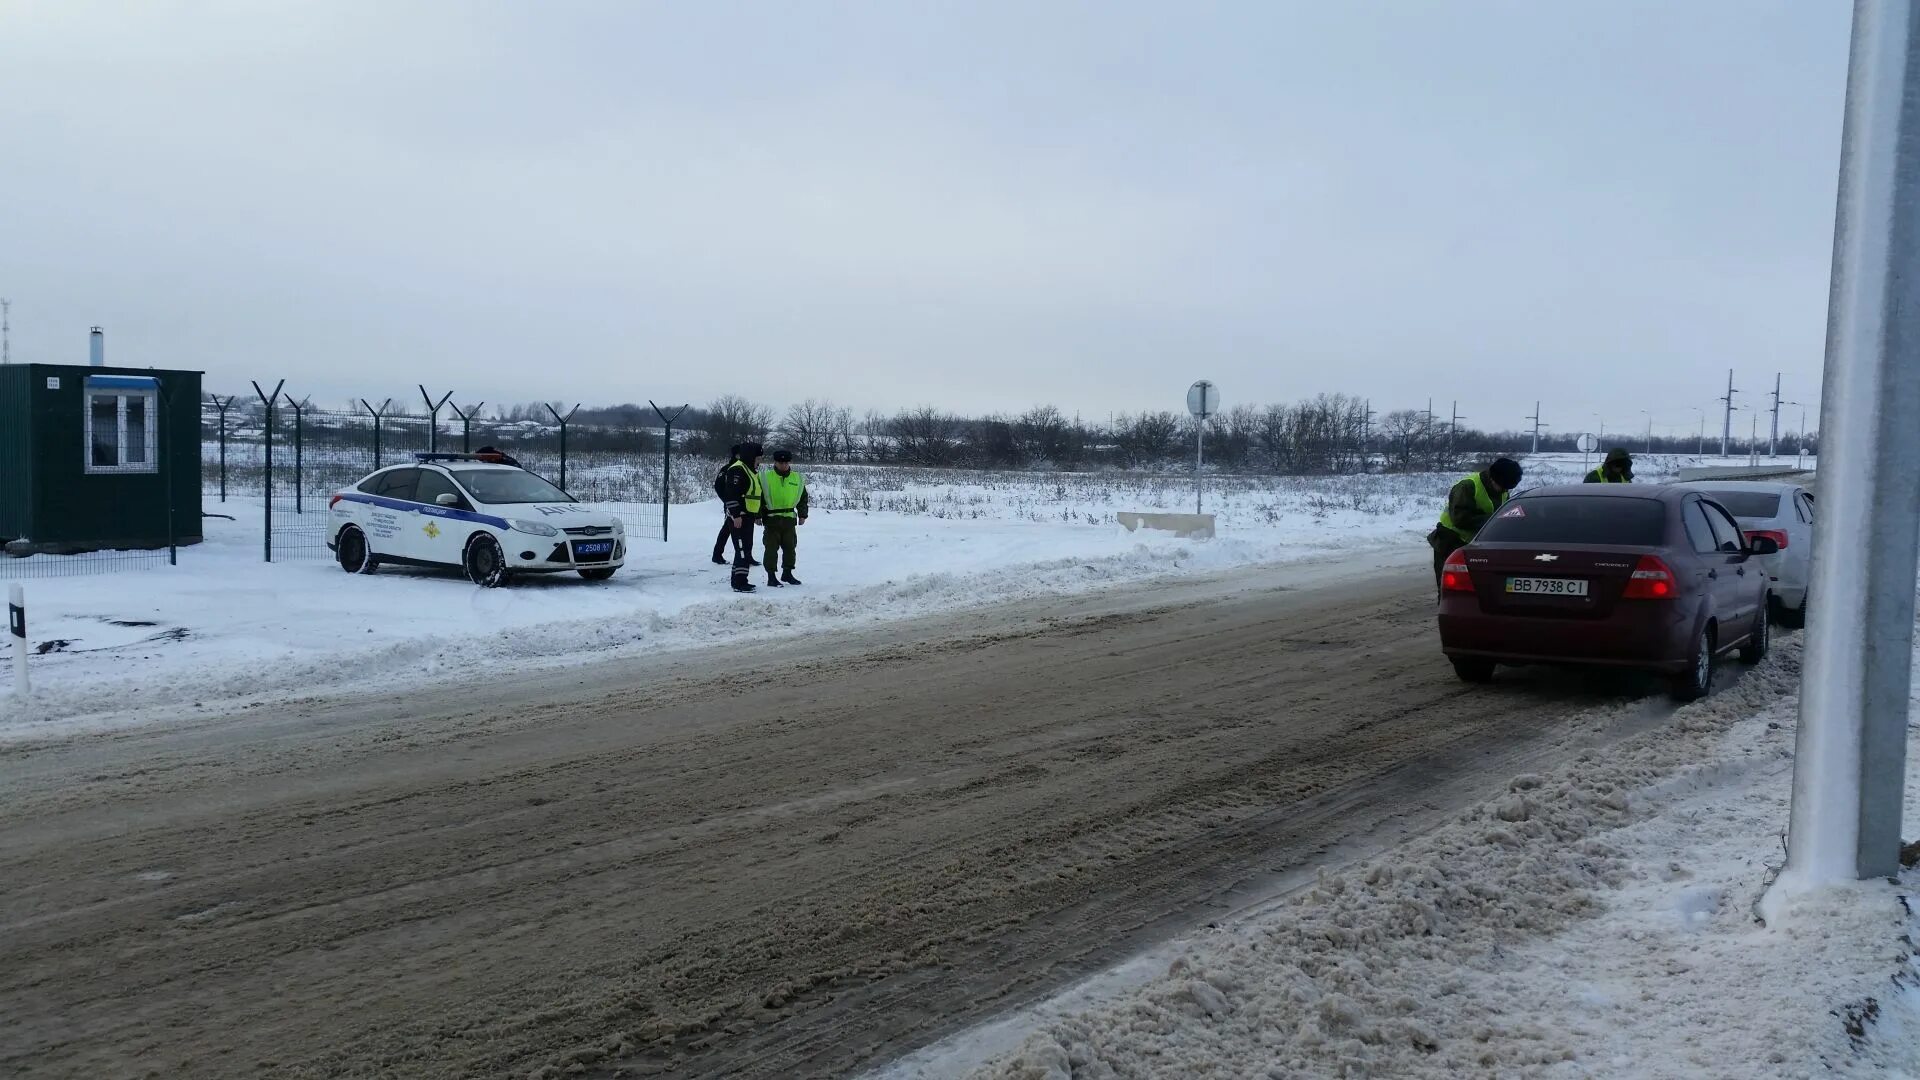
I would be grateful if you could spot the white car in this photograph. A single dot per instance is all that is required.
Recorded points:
(490, 520)
(1783, 512)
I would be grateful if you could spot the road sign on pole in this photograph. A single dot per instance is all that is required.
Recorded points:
(1203, 401)
(1849, 770)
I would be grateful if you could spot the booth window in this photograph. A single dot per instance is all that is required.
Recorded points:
(122, 430)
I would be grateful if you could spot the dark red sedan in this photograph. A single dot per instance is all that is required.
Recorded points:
(1658, 578)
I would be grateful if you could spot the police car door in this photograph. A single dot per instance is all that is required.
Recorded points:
(441, 533)
(390, 521)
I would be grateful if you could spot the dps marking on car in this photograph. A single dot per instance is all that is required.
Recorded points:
(481, 516)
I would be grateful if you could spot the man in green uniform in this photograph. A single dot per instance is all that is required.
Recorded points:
(1617, 469)
(1470, 505)
(785, 493)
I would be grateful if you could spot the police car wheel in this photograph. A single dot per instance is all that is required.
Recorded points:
(355, 556)
(598, 573)
(486, 564)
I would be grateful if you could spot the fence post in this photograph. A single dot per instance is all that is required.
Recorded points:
(562, 421)
(268, 400)
(377, 415)
(666, 463)
(17, 627)
(222, 407)
(299, 454)
(466, 425)
(433, 418)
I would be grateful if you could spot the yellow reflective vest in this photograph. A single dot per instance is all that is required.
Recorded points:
(1482, 498)
(753, 486)
(782, 492)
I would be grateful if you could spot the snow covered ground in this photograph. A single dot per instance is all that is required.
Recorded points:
(886, 543)
(224, 626)
(1596, 920)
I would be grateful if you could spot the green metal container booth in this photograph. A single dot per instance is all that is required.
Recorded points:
(98, 458)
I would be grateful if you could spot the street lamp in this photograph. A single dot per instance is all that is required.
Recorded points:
(1649, 415)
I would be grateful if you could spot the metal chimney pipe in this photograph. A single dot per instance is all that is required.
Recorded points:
(97, 348)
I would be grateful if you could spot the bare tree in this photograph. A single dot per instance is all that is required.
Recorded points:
(806, 429)
(924, 435)
(732, 419)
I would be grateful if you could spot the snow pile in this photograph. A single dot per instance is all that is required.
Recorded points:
(1596, 920)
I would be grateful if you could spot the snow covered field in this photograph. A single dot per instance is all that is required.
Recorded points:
(224, 626)
(884, 543)
(1594, 920)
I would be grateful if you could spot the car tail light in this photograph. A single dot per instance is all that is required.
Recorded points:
(1651, 580)
(1778, 536)
(333, 502)
(1453, 574)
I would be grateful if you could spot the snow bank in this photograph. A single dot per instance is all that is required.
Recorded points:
(1595, 920)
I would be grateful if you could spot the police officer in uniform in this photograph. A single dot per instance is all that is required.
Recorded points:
(738, 486)
(1470, 505)
(785, 492)
(1617, 469)
(722, 542)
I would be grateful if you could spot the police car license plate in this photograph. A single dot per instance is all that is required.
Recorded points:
(592, 549)
(1538, 586)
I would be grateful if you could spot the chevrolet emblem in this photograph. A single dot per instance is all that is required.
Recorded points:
(1545, 558)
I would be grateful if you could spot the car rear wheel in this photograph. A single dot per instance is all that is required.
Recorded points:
(1472, 670)
(1755, 650)
(1694, 683)
(353, 551)
(485, 563)
(598, 573)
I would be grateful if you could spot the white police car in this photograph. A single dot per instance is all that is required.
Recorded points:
(461, 510)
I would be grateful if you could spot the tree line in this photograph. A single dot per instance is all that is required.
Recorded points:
(1325, 434)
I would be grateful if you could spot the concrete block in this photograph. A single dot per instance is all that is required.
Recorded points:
(1185, 526)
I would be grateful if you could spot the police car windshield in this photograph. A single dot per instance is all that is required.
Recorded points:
(499, 486)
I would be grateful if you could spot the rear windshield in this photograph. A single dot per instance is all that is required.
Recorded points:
(1578, 519)
(1749, 504)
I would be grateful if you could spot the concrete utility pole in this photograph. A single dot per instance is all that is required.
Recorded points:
(1453, 429)
(1773, 440)
(1726, 428)
(1850, 759)
(1649, 432)
(1536, 426)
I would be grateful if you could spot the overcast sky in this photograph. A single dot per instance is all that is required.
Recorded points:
(1603, 204)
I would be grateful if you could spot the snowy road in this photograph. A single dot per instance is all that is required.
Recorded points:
(784, 860)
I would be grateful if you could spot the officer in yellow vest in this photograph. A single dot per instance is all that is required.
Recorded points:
(738, 486)
(1617, 469)
(1470, 505)
(785, 491)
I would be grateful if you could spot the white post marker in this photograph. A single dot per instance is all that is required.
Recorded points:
(1203, 400)
(1588, 444)
(17, 629)
(1849, 766)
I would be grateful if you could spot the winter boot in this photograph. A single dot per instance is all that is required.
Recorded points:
(772, 582)
(789, 578)
(740, 582)
(719, 559)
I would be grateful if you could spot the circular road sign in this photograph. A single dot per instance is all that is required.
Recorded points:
(1588, 444)
(1203, 399)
